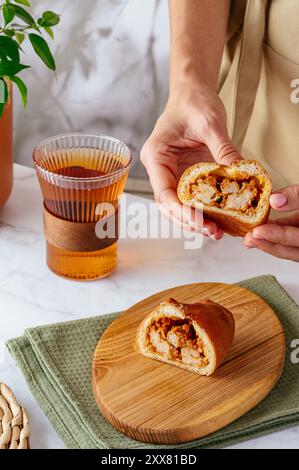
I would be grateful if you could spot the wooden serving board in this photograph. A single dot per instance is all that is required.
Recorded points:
(155, 402)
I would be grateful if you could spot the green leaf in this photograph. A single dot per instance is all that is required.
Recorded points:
(8, 13)
(22, 88)
(20, 38)
(8, 68)
(9, 48)
(42, 50)
(4, 92)
(48, 19)
(23, 2)
(49, 31)
(24, 15)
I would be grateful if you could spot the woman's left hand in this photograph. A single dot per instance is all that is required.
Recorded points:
(279, 237)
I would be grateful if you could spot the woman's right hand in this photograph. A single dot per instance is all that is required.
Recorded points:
(191, 129)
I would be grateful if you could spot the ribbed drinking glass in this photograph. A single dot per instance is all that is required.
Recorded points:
(77, 174)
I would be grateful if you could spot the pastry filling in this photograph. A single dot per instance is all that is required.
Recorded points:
(240, 195)
(176, 340)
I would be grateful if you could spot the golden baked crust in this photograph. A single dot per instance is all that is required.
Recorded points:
(212, 324)
(231, 225)
(235, 222)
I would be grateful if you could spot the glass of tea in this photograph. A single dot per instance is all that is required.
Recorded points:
(81, 177)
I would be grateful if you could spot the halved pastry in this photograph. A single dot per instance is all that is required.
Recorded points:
(236, 197)
(195, 337)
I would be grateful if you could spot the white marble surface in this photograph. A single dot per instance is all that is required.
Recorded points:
(112, 74)
(31, 295)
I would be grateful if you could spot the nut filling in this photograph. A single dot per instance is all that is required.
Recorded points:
(241, 195)
(177, 340)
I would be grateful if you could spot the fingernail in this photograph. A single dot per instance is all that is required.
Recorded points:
(278, 200)
(250, 245)
(256, 234)
(206, 231)
(194, 226)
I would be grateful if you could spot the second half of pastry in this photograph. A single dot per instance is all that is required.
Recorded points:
(195, 337)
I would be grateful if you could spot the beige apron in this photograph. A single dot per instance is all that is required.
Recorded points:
(260, 66)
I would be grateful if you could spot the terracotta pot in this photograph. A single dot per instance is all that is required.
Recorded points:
(6, 153)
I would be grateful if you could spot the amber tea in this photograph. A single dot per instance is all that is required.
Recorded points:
(75, 179)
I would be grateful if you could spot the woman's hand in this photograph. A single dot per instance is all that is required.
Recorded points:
(280, 237)
(193, 126)
(192, 129)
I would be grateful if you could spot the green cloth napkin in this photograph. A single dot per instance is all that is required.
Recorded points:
(56, 362)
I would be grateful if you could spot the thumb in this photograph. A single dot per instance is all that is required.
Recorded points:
(286, 199)
(222, 148)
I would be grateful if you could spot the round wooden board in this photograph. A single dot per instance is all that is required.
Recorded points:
(155, 402)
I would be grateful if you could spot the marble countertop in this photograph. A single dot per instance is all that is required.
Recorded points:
(31, 295)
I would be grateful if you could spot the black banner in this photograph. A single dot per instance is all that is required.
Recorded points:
(137, 459)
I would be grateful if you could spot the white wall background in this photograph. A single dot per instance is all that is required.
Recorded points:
(112, 74)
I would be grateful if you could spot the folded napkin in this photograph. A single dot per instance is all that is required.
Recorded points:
(56, 362)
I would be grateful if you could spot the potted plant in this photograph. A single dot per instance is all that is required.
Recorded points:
(16, 26)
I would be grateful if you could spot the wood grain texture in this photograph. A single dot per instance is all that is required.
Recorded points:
(155, 402)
